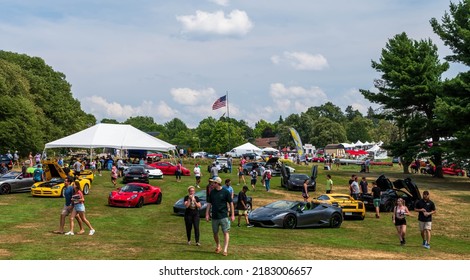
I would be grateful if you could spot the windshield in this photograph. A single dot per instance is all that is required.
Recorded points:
(11, 175)
(131, 188)
(299, 176)
(283, 204)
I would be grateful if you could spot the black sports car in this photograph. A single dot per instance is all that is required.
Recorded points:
(136, 173)
(406, 189)
(296, 181)
(296, 214)
(179, 208)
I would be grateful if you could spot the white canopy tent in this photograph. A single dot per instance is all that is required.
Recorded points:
(118, 136)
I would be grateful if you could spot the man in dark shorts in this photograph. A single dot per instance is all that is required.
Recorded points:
(242, 206)
(426, 209)
(217, 201)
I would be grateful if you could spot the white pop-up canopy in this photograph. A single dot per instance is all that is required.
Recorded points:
(249, 146)
(117, 136)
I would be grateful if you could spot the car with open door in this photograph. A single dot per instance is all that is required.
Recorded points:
(295, 181)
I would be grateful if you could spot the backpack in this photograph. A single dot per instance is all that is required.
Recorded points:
(268, 175)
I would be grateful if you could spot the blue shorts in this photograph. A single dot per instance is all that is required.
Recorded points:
(79, 207)
(224, 224)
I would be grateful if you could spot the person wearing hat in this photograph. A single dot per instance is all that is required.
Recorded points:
(217, 202)
(242, 206)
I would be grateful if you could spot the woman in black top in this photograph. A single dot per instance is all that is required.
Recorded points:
(191, 215)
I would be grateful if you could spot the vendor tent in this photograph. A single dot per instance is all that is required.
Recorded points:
(248, 146)
(118, 136)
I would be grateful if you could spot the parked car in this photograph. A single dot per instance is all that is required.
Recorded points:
(222, 162)
(351, 207)
(7, 161)
(295, 181)
(54, 184)
(453, 170)
(318, 159)
(405, 189)
(296, 214)
(14, 181)
(135, 195)
(136, 173)
(154, 173)
(247, 167)
(251, 156)
(169, 168)
(199, 155)
(275, 163)
(179, 209)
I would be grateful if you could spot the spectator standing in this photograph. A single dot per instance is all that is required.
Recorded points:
(400, 212)
(376, 197)
(191, 215)
(267, 178)
(30, 157)
(329, 184)
(229, 164)
(197, 174)
(214, 171)
(305, 190)
(179, 170)
(426, 209)
(77, 168)
(99, 166)
(38, 175)
(93, 166)
(120, 167)
(114, 174)
(16, 159)
(254, 177)
(242, 206)
(354, 188)
(364, 185)
(3, 169)
(241, 175)
(37, 158)
(217, 202)
(228, 187)
(367, 165)
(262, 169)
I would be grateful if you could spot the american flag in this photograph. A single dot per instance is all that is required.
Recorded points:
(219, 103)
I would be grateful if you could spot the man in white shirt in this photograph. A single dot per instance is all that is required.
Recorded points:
(197, 174)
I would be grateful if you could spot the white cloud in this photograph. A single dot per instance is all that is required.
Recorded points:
(301, 60)
(220, 2)
(187, 96)
(296, 99)
(237, 23)
(102, 108)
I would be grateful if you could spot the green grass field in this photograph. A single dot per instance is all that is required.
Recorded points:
(154, 233)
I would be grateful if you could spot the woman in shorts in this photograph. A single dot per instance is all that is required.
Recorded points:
(78, 202)
(399, 219)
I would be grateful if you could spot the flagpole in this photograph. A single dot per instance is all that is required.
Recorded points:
(228, 124)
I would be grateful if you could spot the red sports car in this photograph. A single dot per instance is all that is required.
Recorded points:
(135, 195)
(169, 168)
(318, 159)
(453, 170)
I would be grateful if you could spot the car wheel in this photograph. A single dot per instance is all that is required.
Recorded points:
(159, 199)
(140, 203)
(388, 207)
(336, 220)
(290, 221)
(5, 189)
(86, 189)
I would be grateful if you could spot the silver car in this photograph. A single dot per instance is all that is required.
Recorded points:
(14, 182)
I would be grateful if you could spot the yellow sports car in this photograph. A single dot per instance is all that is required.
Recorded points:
(54, 184)
(350, 206)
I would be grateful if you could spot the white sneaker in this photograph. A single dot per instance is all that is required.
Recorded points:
(70, 233)
(92, 231)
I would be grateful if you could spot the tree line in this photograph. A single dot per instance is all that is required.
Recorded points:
(419, 112)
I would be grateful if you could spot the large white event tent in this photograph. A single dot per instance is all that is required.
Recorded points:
(118, 136)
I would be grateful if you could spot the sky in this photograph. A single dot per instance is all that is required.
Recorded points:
(173, 59)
